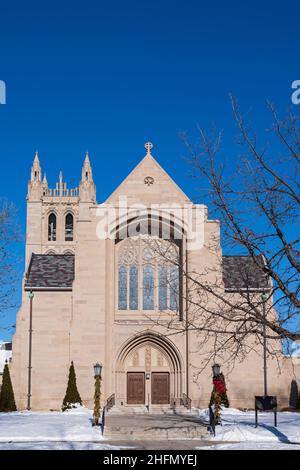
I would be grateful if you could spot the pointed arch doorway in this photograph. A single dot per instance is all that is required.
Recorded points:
(148, 371)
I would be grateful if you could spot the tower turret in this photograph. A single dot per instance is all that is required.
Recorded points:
(45, 186)
(36, 171)
(35, 189)
(87, 189)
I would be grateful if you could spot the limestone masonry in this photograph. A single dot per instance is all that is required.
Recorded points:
(101, 295)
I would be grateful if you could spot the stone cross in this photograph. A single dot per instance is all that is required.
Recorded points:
(148, 147)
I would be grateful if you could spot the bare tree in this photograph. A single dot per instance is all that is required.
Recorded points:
(9, 274)
(256, 200)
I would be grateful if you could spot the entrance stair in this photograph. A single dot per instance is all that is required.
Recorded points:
(147, 411)
(136, 423)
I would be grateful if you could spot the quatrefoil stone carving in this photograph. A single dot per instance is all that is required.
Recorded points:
(148, 180)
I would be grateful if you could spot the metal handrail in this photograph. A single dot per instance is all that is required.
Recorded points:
(212, 420)
(186, 401)
(103, 420)
(110, 402)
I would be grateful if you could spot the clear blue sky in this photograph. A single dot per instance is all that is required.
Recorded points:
(108, 76)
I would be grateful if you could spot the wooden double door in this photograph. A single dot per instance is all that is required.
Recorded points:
(136, 388)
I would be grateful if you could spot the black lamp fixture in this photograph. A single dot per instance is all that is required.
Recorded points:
(216, 369)
(98, 370)
(31, 295)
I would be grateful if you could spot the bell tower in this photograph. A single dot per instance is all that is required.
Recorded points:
(52, 213)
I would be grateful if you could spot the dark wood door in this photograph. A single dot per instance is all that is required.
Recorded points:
(135, 388)
(160, 388)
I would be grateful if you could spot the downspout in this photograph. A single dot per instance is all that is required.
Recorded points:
(186, 324)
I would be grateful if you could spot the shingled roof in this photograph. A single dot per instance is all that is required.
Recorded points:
(55, 272)
(244, 272)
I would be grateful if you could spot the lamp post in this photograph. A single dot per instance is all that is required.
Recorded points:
(97, 395)
(264, 297)
(30, 295)
(216, 397)
(265, 402)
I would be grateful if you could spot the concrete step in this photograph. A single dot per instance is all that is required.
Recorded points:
(143, 410)
(155, 427)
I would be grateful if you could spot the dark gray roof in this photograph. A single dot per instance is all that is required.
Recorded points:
(244, 272)
(58, 271)
(50, 272)
(6, 346)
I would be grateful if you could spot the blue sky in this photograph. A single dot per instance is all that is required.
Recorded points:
(108, 76)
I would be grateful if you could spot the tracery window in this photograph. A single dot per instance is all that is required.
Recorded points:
(122, 288)
(133, 289)
(148, 274)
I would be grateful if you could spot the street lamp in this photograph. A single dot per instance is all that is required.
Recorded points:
(216, 369)
(264, 297)
(97, 395)
(97, 370)
(31, 296)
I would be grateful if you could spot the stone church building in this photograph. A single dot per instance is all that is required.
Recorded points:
(100, 295)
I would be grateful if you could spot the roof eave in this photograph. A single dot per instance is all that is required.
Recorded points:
(247, 289)
(40, 288)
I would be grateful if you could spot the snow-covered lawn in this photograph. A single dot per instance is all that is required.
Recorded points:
(73, 430)
(53, 445)
(238, 430)
(54, 430)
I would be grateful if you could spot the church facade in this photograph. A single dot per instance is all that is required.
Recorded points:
(100, 294)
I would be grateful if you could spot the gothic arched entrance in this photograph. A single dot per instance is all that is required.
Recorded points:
(148, 371)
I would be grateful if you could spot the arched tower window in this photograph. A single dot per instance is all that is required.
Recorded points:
(69, 228)
(52, 228)
(148, 274)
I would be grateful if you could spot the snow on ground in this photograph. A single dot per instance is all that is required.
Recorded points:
(238, 430)
(252, 446)
(52, 445)
(73, 425)
(73, 430)
(4, 356)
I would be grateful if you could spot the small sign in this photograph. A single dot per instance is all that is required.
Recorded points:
(266, 403)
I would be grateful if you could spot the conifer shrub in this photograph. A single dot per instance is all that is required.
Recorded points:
(7, 397)
(72, 398)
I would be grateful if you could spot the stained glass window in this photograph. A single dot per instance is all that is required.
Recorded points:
(148, 288)
(174, 288)
(133, 288)
(163, 288)
(148, 279)
(122, 288)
